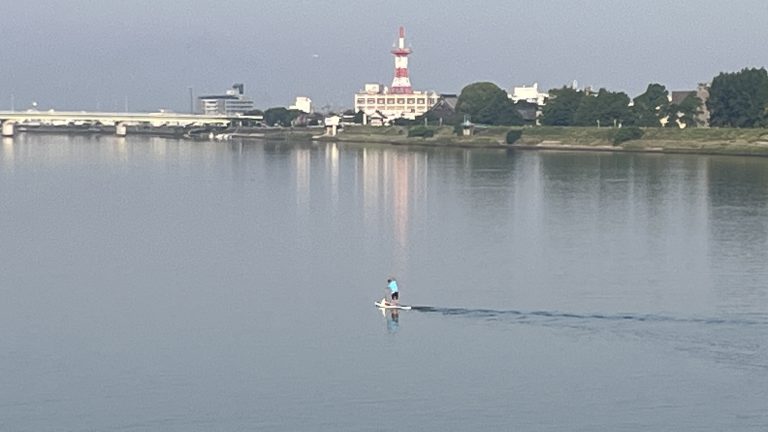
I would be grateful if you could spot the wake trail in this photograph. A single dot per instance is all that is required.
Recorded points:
(555, 315)
(734, 340)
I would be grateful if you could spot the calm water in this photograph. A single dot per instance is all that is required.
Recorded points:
(161, 285)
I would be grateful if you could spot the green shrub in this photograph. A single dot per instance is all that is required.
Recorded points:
(514, 135)
(420, 131)
(626, 134)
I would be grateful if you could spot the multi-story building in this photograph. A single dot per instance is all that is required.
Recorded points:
(231, 103)
(376, 97)
(303, 104)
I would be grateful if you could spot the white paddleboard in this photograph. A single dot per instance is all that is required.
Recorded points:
(384, 305)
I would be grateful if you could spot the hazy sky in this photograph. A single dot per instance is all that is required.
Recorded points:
(96, 54)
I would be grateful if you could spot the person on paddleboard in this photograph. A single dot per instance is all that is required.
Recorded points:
(394, 293)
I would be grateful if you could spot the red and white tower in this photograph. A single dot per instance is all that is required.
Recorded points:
(401, 84)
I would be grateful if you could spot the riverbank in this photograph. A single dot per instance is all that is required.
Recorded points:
(751, 142)
(180, 132)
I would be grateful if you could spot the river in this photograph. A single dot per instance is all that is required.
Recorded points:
(152, 284)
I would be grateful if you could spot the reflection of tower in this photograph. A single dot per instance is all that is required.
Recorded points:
(302, 168)
(400, 207)
(332, 158)
(371, 191)
(401, 84)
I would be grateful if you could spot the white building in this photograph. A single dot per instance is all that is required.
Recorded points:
(376, 97)
(529, 94)
(231, 103)
(303, 104)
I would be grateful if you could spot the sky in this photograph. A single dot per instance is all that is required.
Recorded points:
(149, 54)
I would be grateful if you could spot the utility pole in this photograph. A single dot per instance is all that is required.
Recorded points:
(191, 101)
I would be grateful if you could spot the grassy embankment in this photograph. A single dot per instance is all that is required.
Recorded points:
(664, 140)
(443, 136)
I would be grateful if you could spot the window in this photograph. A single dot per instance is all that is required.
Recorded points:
(420, 101)
(400, 100)
(380, 101)
(411, 100)
(391, 100)
(371, 100)
(361, 100)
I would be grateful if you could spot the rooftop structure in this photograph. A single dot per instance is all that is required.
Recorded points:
(529, 94)
(401, 83)
(232, 102)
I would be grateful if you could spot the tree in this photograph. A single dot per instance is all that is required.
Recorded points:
(513, 136)
(686, 112)
(651, 107)
(739, 99)
(421, 131)
(280, 116)
(486, 103)
(626, 134)
(604, 109)
(528, 111)
(561, 107)
(500, 111)
(402, 121)
(254, 112)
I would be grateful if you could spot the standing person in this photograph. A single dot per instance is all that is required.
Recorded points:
(394, 293)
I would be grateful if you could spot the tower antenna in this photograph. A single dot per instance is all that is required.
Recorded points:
(401, 84)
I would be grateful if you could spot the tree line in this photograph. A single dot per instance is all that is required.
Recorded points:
(653, 108)
(738, 99)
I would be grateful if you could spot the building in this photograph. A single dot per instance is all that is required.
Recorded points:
(529, 101)
(303, 104)
(444, 111)
(393, 105)
(332, 125)
(399, 100)
(530, 94)
(233, 102)
(701, 92)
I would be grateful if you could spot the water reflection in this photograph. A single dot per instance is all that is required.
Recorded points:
(301, 169)
(8, 156)
(371, 181)
(393, 320)
(395, 180)
(738, 204)
(196, 279)
(332, 168)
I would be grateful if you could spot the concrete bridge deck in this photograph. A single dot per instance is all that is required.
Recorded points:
(120, 121)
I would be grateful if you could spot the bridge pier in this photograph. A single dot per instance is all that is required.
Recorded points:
(8, 128)
(121, 129)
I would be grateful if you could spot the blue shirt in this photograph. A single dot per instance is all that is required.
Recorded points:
(393, 286)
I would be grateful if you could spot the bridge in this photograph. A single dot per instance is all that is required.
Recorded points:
(120, 121)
